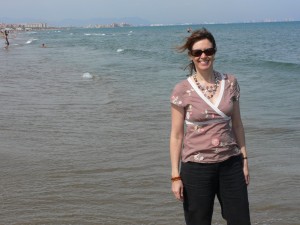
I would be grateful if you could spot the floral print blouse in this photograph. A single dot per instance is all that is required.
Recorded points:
(208, 135)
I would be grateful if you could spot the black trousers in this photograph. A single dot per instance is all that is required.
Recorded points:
(203, 181)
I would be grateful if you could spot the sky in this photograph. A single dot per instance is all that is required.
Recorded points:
(154, 11)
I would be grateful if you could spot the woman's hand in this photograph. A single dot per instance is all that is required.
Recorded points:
(246, 172)
(177, 189)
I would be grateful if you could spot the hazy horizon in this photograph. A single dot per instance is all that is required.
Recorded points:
(152, 12)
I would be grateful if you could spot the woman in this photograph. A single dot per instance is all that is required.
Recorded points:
(207, 136)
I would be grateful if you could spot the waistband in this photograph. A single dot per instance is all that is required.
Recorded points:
(222, 120)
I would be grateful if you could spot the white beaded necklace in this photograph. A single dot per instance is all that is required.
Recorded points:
(208, 91)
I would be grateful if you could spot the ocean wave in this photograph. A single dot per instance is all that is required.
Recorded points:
(95, 34)
(281, 64)
(31, 40)
(137, 52)
(109, 34)
(270, 130)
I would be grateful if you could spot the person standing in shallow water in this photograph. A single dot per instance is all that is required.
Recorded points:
(6, 38)
(207, 137)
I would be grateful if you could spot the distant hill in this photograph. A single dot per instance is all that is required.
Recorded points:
(135, 21)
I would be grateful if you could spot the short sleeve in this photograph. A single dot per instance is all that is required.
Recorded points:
(178, 95)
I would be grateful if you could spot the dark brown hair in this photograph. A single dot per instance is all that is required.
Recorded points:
(196, 36)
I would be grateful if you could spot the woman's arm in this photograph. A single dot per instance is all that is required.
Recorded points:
(238, 130)
(176, 138)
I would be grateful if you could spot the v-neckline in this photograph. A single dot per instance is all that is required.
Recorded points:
(199, 92)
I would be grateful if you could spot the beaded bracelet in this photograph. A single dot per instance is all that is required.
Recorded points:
(245, 157)
(175, 179)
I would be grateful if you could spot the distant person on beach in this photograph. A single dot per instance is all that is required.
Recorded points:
(6, 38)
(207, 137)
(5, 35)
(43, 46)
(189, 30)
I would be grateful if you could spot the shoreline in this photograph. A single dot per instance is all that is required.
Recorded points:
(22, 27)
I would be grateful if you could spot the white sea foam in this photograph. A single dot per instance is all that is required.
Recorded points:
(120, 50)
(86, 34)
(87, 76)
(31, 40)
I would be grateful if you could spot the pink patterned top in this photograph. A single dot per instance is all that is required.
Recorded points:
(208, 135)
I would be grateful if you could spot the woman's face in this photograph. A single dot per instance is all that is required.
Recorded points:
(203, 61)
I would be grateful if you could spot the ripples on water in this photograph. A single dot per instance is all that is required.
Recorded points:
(94, 150)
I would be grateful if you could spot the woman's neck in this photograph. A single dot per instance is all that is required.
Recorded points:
(206, 76)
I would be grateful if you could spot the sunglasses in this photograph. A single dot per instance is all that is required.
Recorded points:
(207, 52)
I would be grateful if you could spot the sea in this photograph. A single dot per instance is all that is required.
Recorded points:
(85, 122)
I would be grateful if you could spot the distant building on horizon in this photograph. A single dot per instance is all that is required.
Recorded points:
(113, 25)
(36, 25)
(23, 26)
